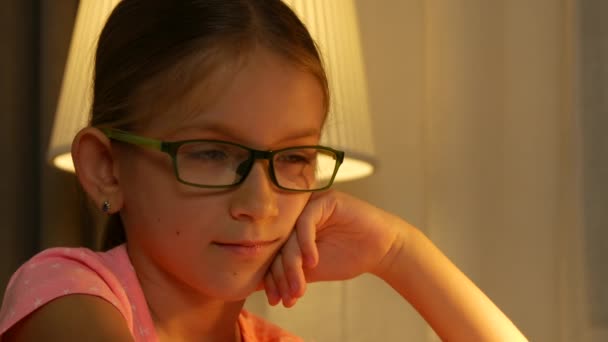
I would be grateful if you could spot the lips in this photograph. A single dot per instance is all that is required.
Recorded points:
(247, 243)
(246, 248)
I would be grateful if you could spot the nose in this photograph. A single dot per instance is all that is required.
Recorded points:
(255, 198)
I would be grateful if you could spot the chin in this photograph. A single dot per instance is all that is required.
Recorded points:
(235, 294)
(234, 288)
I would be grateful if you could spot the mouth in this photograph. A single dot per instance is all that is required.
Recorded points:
(246, 248)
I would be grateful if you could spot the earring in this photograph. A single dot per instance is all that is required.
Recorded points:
(105, 207)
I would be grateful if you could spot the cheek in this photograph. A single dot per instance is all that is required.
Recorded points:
(155, 200)
(291, 206)
(144, 175)
(184, 214)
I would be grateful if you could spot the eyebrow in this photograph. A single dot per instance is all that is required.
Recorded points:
(228, 132)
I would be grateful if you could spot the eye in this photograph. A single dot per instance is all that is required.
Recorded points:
(296, 157)
(211, 155)
(206, 152)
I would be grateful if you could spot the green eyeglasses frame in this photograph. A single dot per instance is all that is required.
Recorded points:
(171, 148)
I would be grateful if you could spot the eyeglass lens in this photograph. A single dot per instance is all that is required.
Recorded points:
(222, 164)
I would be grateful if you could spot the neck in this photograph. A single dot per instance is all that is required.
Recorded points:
(185, 320)
(181, 313)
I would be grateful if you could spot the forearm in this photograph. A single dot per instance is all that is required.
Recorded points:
(454, 307)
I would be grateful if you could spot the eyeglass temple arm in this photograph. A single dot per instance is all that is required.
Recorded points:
(132, 139)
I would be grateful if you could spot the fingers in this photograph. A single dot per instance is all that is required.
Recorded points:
(306, 235)
(277, 279)
(292, 265)
(281, 283)
(314, 214)
(285, 279)
(272, 293)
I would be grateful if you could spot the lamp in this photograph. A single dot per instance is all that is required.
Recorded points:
(333, 24)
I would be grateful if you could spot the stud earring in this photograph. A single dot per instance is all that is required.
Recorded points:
(105, 207)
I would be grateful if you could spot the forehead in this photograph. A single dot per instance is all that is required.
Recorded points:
(260, 101)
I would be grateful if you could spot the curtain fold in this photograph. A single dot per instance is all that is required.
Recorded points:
(19, 127)
(40, 206)
(593, 78)
(473, 109)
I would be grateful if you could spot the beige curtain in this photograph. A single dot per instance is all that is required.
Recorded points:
(474, 113)
(39, 205)
(593, 81)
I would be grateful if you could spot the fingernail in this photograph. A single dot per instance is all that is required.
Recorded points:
(294, 285)
(273, 298)
(286, 300)
(289, 303)
(276, 300)
(310, 261)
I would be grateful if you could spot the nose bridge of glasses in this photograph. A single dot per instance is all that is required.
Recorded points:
(244, 167)
(257, 154)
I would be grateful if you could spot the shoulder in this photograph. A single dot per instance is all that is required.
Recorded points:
(72, 318)
(61, 276)
(254, 329)
(58, 264)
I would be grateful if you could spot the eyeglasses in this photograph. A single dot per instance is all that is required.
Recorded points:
(223, 164)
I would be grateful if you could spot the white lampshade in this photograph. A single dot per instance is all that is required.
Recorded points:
(333, 24)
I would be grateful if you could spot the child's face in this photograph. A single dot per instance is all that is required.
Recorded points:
(180, 236)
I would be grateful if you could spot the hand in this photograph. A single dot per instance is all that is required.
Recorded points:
(336, 237)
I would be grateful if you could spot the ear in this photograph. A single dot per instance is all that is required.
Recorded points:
(97, 167)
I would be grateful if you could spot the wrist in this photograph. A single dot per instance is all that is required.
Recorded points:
(389, 264)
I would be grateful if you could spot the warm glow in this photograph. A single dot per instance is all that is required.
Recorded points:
(64, 162)
(349, 170)
(353, 168)
(333, 24)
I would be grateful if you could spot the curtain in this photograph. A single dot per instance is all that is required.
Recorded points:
(593, 64)
(476, 131)
(39, 205)
(19, 134)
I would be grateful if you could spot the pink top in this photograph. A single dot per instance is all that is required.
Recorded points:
(109, 275)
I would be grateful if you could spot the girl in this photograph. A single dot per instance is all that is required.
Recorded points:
(203, 151)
